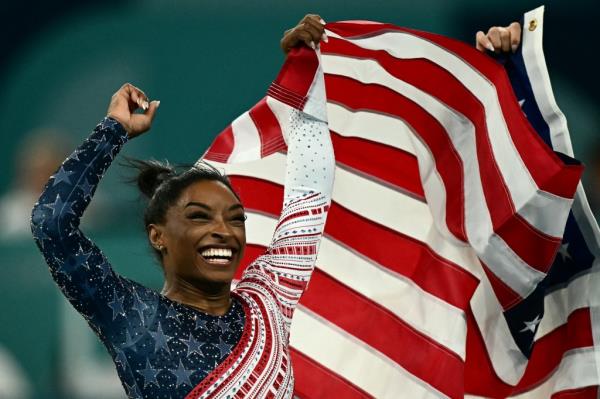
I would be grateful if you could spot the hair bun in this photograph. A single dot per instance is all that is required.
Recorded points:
(151, 174)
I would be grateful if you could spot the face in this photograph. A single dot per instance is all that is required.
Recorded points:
(204, 235)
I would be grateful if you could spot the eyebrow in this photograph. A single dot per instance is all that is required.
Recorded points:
(208, 208)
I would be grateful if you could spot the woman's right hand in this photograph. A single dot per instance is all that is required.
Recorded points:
(123, 105)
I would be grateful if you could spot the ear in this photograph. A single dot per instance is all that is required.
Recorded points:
(155, 235)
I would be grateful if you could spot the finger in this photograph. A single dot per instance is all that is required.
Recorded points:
(482, 42)
(318, 26)
(515, 35)
(493, 36)
(152, 107)
(505, 39)
(314, 32)
(306, 37)
(140, 98)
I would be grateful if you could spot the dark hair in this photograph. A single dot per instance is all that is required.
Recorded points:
(163, 183)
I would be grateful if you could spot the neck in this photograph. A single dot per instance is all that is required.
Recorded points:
(208, 296)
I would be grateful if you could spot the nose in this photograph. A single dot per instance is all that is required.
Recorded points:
(220, 230)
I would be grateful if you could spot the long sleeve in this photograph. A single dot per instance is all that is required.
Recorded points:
(79, 268)
(288, 263)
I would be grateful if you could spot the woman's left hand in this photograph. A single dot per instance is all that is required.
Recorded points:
(499, 38)
(309, 31)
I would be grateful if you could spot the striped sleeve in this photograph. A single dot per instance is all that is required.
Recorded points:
(286, 267)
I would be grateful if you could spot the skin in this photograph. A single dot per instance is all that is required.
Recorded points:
(499, 38)
(207, 214)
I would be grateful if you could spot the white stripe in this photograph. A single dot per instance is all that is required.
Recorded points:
(577, 370)
(497, 255)
(535, 64)
(581, 292)
(371, 126)
(283, 113)
(507, 359)
(425, 312)
(522, 187)
(353, 360)
(246, 139)
(537, 72)
(382, 205)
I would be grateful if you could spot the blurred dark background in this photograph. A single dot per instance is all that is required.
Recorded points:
(207, 62)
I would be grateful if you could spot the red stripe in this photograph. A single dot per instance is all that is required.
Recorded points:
(538, 249)
(480, 377)
(379, 161)
(295, 77)
(386, 247)
(222, 147)
(550, 173)
(314, 380)
(385, 332)
(383, 100)
(506, 296)
(432, 362)
(269, 131)
(581, 393)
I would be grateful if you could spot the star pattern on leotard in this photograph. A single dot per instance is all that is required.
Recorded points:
(160, 339)
(149, 374)
(116, 305)
(193, 345)
(160, 348)
(182, 375)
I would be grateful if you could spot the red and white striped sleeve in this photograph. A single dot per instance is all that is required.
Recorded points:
(284, 270)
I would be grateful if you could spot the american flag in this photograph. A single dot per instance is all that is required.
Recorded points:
(438, 275)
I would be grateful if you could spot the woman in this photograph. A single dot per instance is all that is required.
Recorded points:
(197, 338)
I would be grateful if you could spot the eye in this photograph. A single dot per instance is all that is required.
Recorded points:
(198, 216)
(239, 219)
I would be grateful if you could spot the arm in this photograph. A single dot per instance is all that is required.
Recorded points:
(77, 265)
(284, 270)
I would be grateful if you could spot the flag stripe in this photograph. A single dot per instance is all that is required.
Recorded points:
(545, 167)
(547, 355)
(370, 280)
(432, 363)
(313, 380)
(379, 161)
(269, 131)
(377, 96)
(337, 350)
(385, 247)
(380, 206)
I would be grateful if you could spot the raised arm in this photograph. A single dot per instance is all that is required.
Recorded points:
(79, 268)
(288, 263)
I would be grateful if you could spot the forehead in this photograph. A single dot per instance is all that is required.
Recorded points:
(209, 192)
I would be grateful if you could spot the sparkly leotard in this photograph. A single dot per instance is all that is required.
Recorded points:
(163, 349)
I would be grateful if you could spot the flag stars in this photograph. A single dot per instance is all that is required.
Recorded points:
(532, 325)
(564, 252)
(182, 375)
(149, 374)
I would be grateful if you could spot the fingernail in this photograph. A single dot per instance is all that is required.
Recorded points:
(514, 47)
(324, 37)
(312, 44)
(157, 102)
(322, 22)
(145, 105)
(490, 47)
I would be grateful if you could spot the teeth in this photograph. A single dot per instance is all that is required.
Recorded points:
(222, 252)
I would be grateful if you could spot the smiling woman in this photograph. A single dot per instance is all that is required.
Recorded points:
(196, 338)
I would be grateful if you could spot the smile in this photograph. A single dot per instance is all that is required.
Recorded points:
(217, 256)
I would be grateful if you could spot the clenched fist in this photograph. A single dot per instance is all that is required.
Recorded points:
(123, 105)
